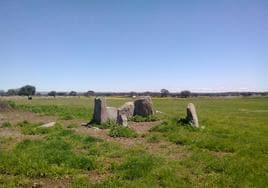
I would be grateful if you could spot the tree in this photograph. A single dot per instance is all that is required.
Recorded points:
(164, 92)
(2, 93)
(73, 93)
(62, 94)
(12, 92)
(185, 94)
(27, 90)
(52, 93)
(133, 94)
(90, 93)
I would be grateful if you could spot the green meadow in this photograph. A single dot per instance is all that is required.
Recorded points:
(230, 149)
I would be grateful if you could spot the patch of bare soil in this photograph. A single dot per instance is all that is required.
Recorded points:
(164, 149)
(17, 116)
(143, 127)
(48, 183)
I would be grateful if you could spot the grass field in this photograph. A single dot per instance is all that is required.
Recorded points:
(229, 150)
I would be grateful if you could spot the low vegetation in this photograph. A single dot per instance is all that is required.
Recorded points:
(120, 131)
(6, 125)
(36, 129)
(137, 118)
(228, 150)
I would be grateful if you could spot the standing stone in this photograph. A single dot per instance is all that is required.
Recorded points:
(127, 109)
(143, 107)
(192, 115)
(122, 120)
(102, 113)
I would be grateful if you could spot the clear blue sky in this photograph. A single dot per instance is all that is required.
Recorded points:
(134, 45)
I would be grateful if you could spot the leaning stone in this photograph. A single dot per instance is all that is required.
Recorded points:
(47, 125)
(192, 115)
(100, 114)
(122, 120)
(127, 109)
(143, 107)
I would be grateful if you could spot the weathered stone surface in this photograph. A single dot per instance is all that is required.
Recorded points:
(127, 109)
(111, 113)
(47, 125)
(102, 113)
(99, 115)
(143, 106)
(192, 115)
(122, 119)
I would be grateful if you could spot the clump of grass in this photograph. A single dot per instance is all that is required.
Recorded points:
(67, 117)
(12, 104)
(176, 132)
(120, 131)
(109, 124)
(13, 181)
(137, 164)
(70, 126)
(150, 118)
(63, 111)
(105, 149)
(153, 139)
(6, 124)
(53, 157)
(34, 158)
(168, 125)
(79, 181)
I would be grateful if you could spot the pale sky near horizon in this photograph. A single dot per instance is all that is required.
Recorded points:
(126, 45)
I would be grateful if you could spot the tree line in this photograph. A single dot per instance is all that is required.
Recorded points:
(29, 91)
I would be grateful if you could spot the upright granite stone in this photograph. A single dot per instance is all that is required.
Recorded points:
(143, 106)
(102, 113)
(122, 119)
(192, 115)
(127, 109)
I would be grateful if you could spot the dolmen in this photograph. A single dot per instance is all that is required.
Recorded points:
(143, 106)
